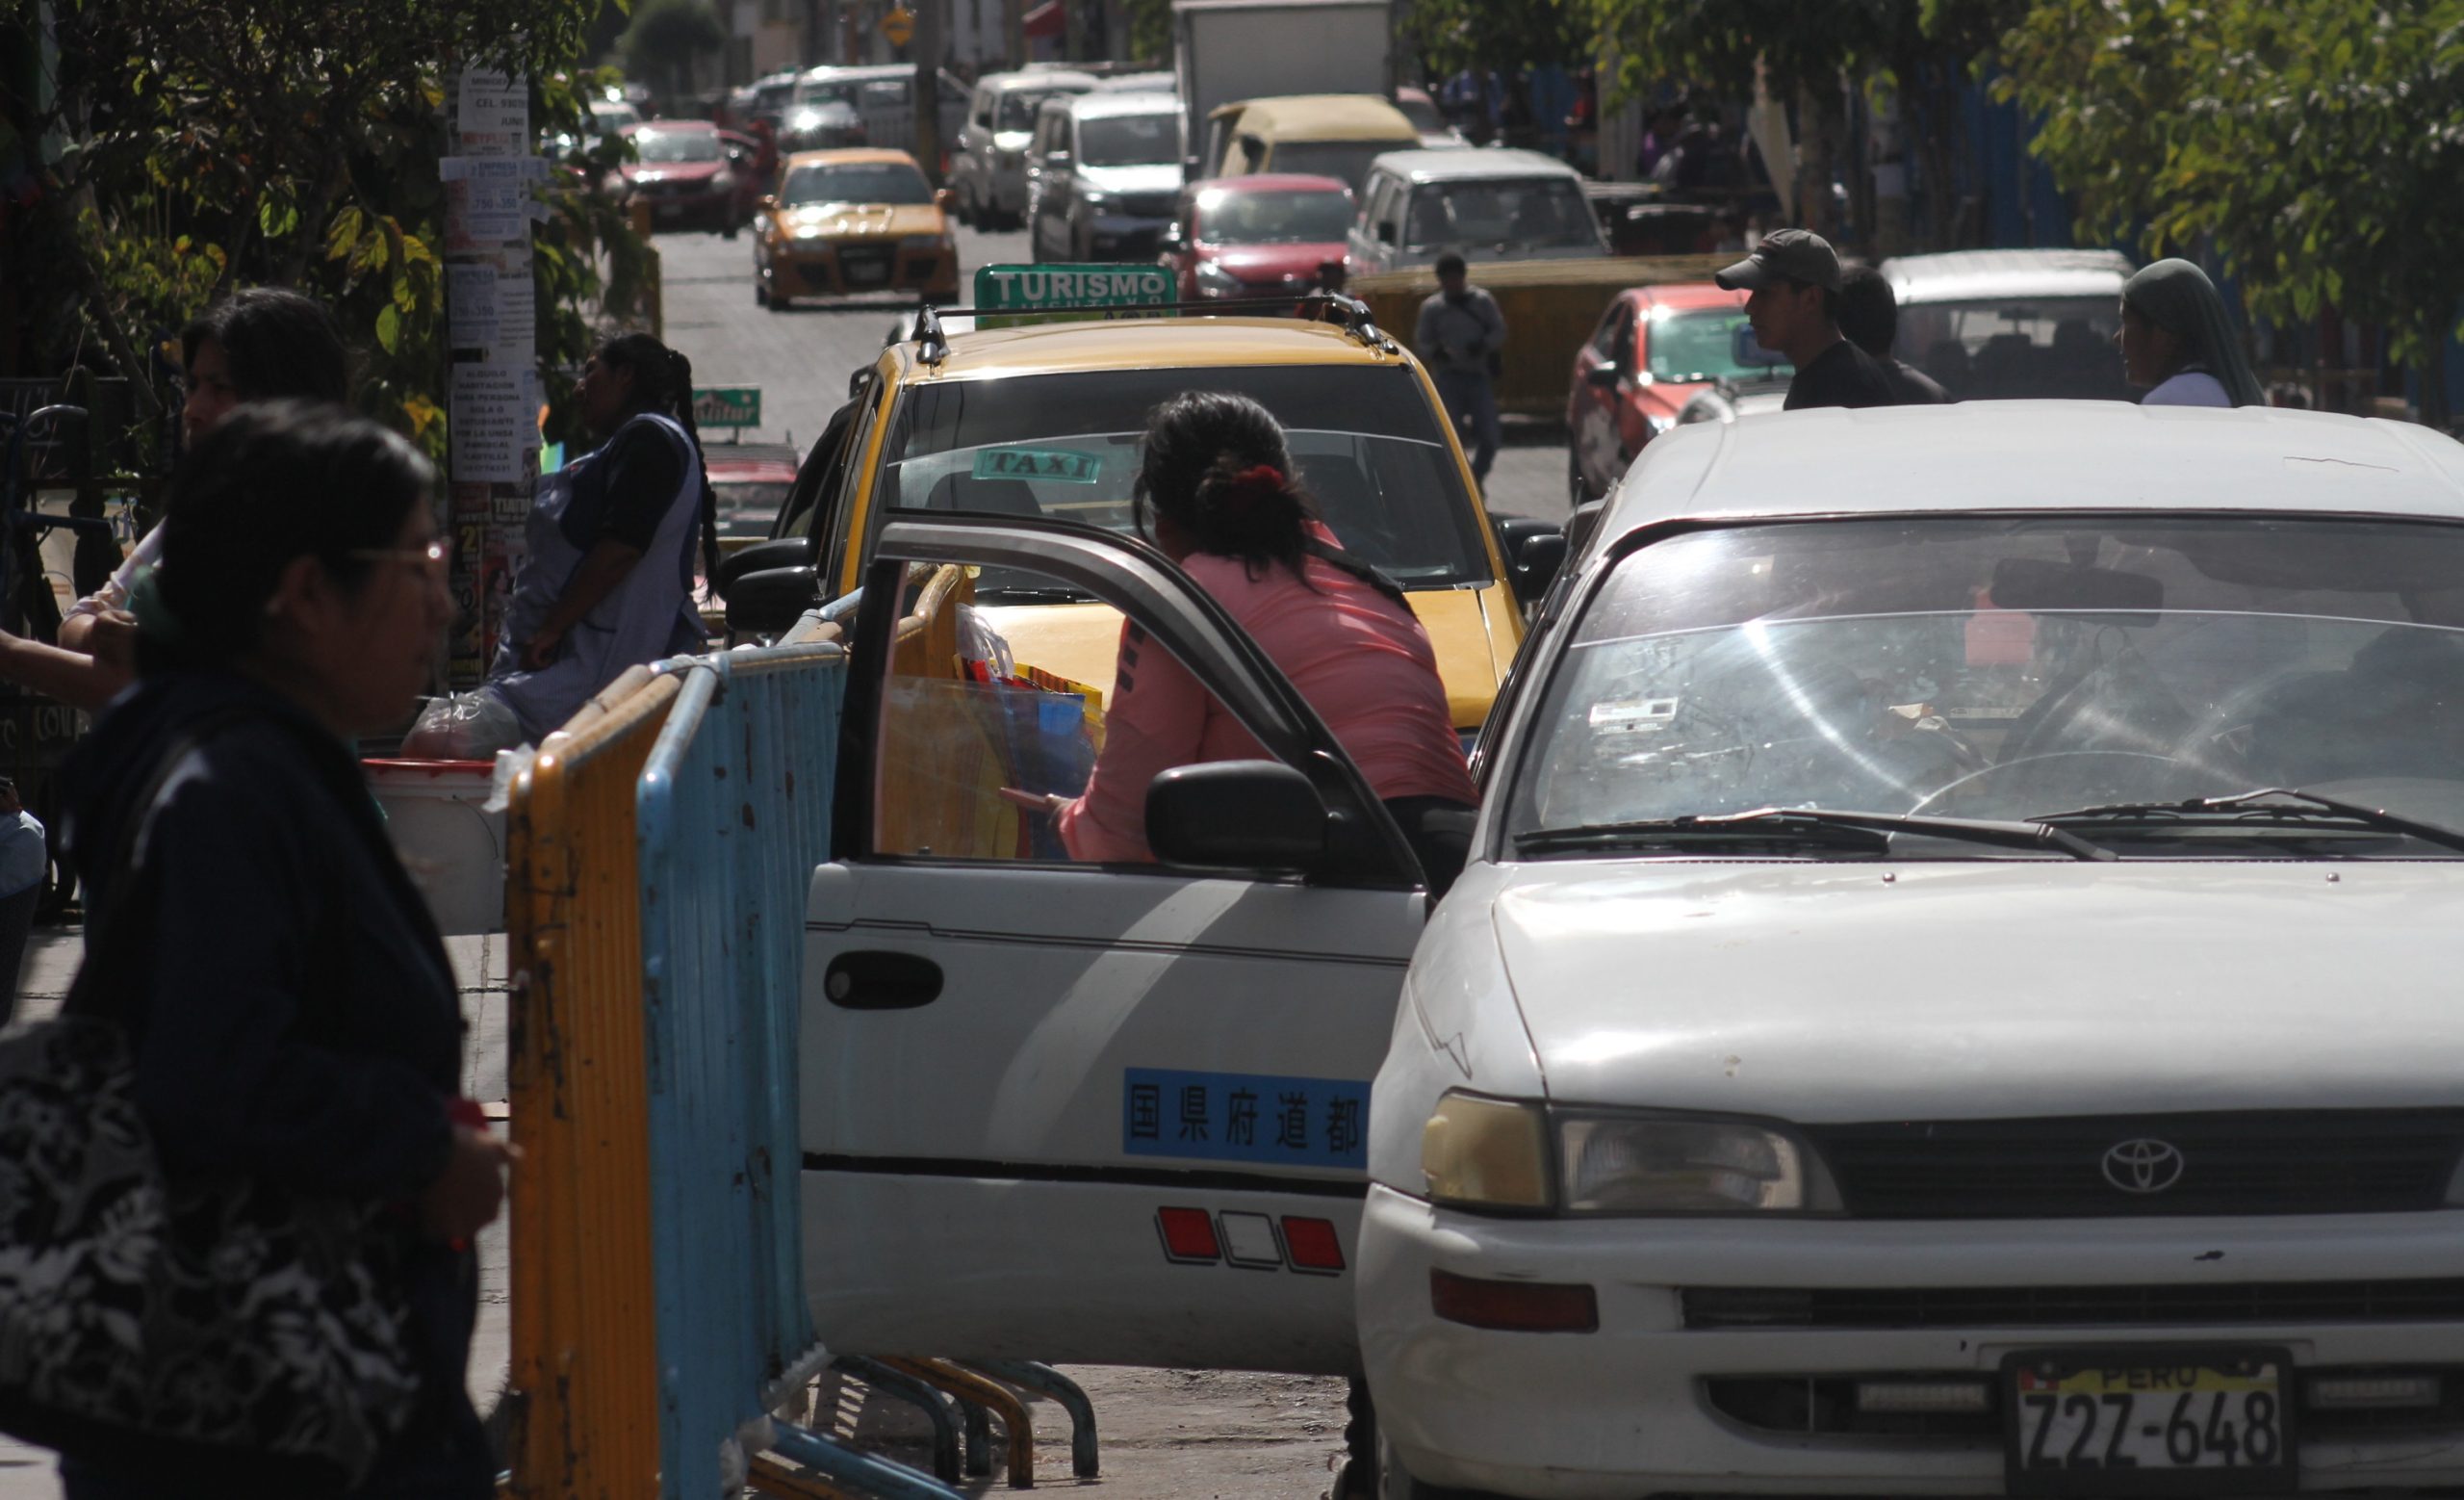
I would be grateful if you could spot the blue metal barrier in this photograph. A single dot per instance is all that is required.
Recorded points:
(733, 815)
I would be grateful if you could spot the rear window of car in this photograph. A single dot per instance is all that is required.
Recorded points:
(677, 145)
(2008, 347)
(1365, 440)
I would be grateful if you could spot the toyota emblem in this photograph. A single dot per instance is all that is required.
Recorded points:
(2144, 1165)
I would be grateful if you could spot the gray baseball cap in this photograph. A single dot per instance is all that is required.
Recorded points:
(1798, 254)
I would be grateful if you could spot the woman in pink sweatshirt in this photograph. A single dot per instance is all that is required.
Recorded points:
(1217, 495)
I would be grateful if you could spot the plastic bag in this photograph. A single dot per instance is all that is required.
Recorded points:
(464, 726)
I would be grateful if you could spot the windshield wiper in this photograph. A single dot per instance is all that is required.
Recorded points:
(2250, 809)
(1865, 833)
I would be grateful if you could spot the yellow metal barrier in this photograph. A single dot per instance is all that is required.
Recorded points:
(585, 1382)
(1551, 306)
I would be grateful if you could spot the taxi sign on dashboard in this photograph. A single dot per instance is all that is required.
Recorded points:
(1114, 291)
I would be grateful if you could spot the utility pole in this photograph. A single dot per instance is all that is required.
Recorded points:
(1014, 32)
(932, 29)
(1073, 30)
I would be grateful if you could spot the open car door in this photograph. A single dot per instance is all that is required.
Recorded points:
(1097, 1113)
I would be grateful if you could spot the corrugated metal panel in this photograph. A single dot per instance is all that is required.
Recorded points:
(584, 1356)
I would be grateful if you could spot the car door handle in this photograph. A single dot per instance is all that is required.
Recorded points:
(876, 979)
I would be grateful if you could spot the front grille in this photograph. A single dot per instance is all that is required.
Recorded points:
(865, 267)
(2246, 1302)
(2353, 1161)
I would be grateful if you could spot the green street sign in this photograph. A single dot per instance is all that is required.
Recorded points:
(1106, 291)
(726, 406)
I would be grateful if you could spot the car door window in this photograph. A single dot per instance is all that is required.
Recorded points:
(993, 683)
(1604, 338)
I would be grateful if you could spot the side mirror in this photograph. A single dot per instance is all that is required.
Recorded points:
(945, 199)
(1386, 234)
(768, 602)
(1536, 566)
(1603, 376)
(790, 552)
(1235, 814)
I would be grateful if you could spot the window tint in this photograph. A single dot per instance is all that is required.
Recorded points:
(2015, 347)
(1366, 442)
(1130, 140)
(855, 182)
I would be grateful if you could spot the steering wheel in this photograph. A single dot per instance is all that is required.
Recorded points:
(1949, 787)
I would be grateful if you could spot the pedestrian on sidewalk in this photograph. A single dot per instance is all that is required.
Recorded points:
(25, 857)
(1461, 336)
(1870, 316)
(2178, 341)
(1794, 279)
(291, 1014)
(606, 581)
(258, 344)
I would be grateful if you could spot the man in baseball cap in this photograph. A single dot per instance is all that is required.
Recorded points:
(1792, 280)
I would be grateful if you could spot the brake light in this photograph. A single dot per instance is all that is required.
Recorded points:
(1188, 1234)
(1312, 1245)
(1514, 1307)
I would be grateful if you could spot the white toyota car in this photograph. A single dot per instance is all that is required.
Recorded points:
(1960, 985)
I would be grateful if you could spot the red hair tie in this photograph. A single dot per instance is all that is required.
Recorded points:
(1259, 479)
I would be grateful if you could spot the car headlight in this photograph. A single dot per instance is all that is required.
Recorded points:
(924, 242)
(1094, 198)
(1615, 1164)
(1214, 279)
(1486, 1154)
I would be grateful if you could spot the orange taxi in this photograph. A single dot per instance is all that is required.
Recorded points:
(849, 221)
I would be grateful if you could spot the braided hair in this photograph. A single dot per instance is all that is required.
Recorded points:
(1218, 468)
(663, 384)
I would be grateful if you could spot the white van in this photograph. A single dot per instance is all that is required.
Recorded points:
(1486, 205)
(883, 97)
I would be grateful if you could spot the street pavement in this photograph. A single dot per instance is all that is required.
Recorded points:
(802, 357)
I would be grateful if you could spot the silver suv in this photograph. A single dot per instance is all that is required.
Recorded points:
(989, 169)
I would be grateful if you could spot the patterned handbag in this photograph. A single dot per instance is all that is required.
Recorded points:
(219, 1315)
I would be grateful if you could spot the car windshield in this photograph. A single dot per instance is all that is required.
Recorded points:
(2010, 669)
(815, 91)
(1273, 218)
(855, 182)
(1541, 213)
(1344, 160)
(1698, 345)
(1130, 140)
(2015, 347)
(677, 145)
(1018, 106)
(1365, 439)
(747, 506)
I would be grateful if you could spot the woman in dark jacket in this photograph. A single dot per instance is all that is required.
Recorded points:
(292, 1011)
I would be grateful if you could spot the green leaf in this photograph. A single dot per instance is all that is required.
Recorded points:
(389, 327)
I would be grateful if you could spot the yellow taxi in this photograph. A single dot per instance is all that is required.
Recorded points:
(853, 220)
(1046, 419)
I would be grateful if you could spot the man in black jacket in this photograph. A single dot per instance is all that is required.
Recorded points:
(1794, 276)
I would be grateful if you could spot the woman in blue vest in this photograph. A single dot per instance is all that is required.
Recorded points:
(609, 580)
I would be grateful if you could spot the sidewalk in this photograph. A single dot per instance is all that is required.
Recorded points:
(52, 954)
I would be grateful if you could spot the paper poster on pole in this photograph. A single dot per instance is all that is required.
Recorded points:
(492, 110)
(472, 309)
(492, 433)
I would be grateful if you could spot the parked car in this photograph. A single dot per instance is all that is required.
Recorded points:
(1488, 205)
(1656, 347)
(1889, 1040)
(1262, 236)
(988, 170)
(1163, 82)
(749, 482)
(852, 221)
(681, 169)
(883, 96)
(1103, 173)
(1994, 324)
(1737, 398)
(1325, 134)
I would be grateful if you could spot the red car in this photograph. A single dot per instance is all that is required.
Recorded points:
(1268, 235)
(749, 482)
(1654, 348)
(691, 174)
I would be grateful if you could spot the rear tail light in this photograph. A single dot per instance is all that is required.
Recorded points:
(1188, 1234)
(1514, 1307)
(1312, 1245)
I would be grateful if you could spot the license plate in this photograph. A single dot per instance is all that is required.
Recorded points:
(2148, 1421)
(671, 211)
(864, 274)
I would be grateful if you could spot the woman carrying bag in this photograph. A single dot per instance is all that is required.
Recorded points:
(267, 1285)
